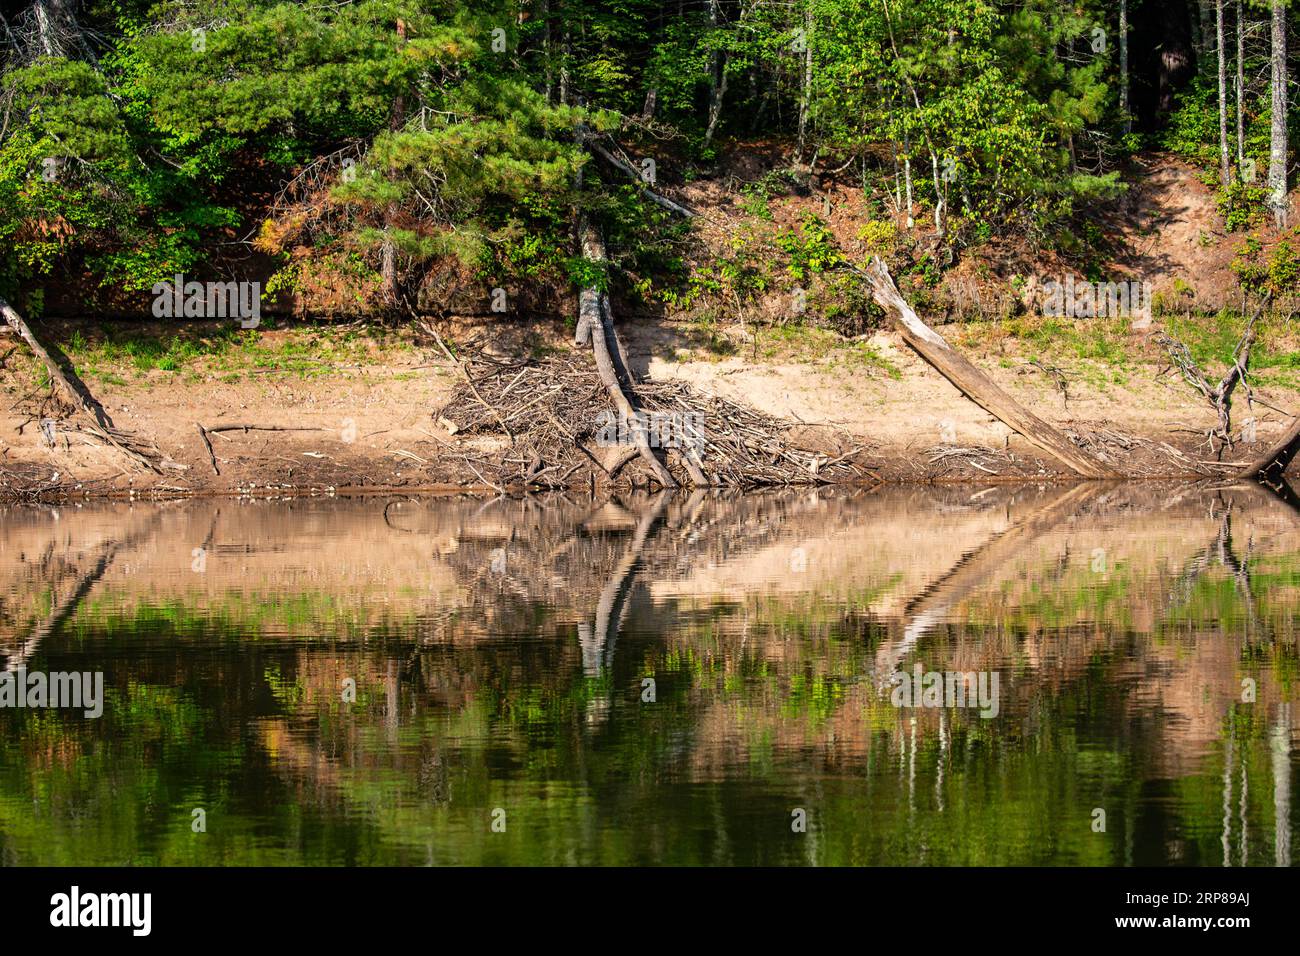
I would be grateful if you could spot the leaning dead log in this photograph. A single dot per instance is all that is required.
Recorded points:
(75, 392)
(598, 325)
(72, 387)
(1271, 465)
(972, 382)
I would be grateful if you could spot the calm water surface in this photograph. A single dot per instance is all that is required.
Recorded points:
(678, 680)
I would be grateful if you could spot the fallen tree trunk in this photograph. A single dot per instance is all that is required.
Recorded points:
(77, 396)
(972, 382)
(597, 324)
(1273, 464)
(72, 387)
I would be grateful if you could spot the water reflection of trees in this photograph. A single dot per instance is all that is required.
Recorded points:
(526, 667)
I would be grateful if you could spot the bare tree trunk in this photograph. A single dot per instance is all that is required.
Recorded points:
(594, 316)
(1277, 154)
(51, 17)
(388, 252)
(564, 69)
(545, 10)
(934, 156)
(973, 383)
(715, 107)
(651, 102)
(805, 96)
(1123, 67)
(907, 175)
(717, 83)
(941, 194)
(898, 181)
(1241, 87)
(71, 385)
(1225, 162)
(1206, 10)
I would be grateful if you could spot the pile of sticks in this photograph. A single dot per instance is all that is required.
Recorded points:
(556, 429)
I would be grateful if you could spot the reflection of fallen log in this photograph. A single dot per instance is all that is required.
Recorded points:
(598, 648)
(972, 382)
(65, 608)
(973, 569)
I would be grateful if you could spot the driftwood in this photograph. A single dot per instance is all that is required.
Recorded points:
(205, 431)
(560, 412)
(469, 381)
(207, 443)
(972, 382)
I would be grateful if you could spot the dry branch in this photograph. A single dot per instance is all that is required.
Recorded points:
(588, 140)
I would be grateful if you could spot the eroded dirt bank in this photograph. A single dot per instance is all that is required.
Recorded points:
(333, 408)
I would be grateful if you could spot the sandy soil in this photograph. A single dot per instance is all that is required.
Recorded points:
(375, 425)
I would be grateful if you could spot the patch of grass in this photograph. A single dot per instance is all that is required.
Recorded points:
(1104, 341)
(112, 351)
(811, 345)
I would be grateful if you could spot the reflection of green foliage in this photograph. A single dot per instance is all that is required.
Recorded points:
(765, 701)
